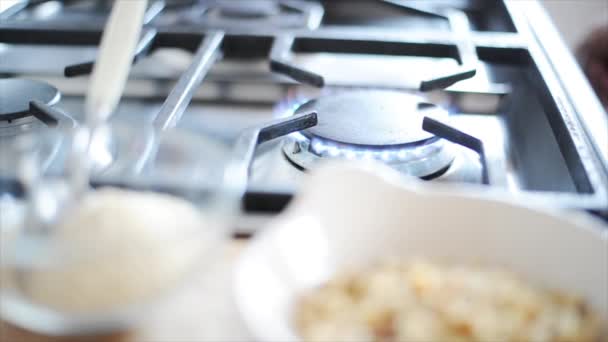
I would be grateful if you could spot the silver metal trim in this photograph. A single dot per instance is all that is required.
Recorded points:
(182, 93)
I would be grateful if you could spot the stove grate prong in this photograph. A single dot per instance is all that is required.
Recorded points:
(245, 146)
(50, 116)
(456, 136)
(467, 54)
(144, 47)
(446, 81)
(279, 63)
(296, 73)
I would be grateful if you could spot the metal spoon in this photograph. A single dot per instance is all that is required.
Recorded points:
(108, 80)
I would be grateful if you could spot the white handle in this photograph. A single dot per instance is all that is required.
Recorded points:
(114, 59)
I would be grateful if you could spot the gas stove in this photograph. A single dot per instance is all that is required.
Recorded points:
(480, 92)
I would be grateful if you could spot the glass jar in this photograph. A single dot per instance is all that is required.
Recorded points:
(97, 262)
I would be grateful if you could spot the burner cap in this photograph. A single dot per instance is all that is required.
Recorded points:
(371, 118)
(16, 94)
(253, 14)
(380, 125)
(248, 9)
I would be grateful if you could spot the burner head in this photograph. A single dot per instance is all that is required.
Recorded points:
(372, 124)
(248, 9)
(16, 94)
(254, 14)
(371, 118)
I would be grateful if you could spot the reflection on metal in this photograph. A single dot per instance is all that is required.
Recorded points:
(181, 95)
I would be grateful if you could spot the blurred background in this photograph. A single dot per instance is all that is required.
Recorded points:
(576, 18)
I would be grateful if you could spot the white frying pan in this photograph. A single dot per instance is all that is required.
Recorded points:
(349, 216)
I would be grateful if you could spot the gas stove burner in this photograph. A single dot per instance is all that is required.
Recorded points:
(26, 105)
(372, 124)
(248, 9)
(26, 112)
(227, 14)
(16, 95)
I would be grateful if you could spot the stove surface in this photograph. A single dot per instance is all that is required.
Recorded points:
(373, 71)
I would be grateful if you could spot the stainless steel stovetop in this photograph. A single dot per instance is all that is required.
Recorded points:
(502, 100)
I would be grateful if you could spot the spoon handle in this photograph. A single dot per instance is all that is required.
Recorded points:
(108, 79)
(114, 60)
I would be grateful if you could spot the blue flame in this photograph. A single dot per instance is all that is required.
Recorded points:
(329, 149)
(325, 148)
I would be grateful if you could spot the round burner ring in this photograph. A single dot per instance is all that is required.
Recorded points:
(379, 125)
(371, 118)
(16, 94)
(248, 9)
(251, 14)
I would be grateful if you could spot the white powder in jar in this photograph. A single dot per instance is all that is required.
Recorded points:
(118, 248)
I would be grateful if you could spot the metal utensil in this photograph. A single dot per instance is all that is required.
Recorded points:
(108, 80)
(106, 86)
